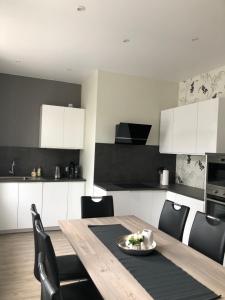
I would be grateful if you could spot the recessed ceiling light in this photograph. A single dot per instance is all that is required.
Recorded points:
(195, 39)
(81, 8)
(126, 41)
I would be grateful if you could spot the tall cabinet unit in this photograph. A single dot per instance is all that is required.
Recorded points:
(62, 127)
(197, 128)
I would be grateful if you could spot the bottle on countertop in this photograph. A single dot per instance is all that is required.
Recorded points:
(33, 173)
(39, 172)
(57, 172)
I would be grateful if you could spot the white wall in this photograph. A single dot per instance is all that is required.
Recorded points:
(125, 98)
(87, 156)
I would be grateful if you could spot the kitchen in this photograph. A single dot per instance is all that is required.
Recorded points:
(42, 163)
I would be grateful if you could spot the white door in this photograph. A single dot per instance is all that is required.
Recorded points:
(54, 203)
(73, 133)
(51, 131)
(207, 126)
(185, 129)
(8, 206)
(166, 131)
(28, 193)
(76, 190)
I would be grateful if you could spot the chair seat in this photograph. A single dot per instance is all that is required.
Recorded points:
(80, 291)
(70, 268)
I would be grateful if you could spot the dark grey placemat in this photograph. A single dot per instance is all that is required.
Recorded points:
(159, 276)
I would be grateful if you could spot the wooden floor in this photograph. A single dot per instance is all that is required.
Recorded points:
(16, 264)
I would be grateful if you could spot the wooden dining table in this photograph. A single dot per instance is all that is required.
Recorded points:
(113, 280)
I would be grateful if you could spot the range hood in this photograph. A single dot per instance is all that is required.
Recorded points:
(133, 134)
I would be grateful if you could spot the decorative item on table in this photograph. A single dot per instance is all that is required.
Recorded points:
(137, 243)
(135, 240)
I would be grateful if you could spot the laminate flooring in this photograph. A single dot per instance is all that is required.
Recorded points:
(17, 281)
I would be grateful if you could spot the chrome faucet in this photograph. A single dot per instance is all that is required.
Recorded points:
(12, 170)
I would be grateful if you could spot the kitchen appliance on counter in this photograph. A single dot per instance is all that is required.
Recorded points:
(164, 177)
(215, 185)
(72, 171)
(132, 134)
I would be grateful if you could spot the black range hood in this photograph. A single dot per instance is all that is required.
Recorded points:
(133, 134)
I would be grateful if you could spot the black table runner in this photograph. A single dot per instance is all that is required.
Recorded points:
(159, 276)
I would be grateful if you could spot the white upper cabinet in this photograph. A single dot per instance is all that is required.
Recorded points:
(62, 127)
(207, 126)
(184, 129)
(166, 131)
(197, 128)
(73, 137)
(51, 129)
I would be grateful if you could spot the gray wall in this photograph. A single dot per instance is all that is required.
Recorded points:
(28, 158)
(20, 102)
(116, 163)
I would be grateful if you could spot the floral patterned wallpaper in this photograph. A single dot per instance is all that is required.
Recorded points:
(190, 169)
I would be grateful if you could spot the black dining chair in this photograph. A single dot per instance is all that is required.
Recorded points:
(96, 207)
(50, 284)
(173, 219)
(69, 266)
(208, 236)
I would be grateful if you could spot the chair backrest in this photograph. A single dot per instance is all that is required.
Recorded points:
(208, 236)
(36, 216)
(48, 253)
(48, 290)
(95, 209)
(173, 219)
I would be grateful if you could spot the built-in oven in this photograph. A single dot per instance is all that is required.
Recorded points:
(215, 185)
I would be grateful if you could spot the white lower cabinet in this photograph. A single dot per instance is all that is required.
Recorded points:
(75, 191)
(28, 193)
(8, 206)
(194, 204)
(54, 203)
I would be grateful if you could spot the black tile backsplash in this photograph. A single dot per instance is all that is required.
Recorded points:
(28, 158)
(131, 163)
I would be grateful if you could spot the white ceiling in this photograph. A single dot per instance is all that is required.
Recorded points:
(51, 39)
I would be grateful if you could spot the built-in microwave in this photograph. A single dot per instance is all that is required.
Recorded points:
(215, 185)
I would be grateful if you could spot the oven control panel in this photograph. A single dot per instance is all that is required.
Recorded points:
(214, 190)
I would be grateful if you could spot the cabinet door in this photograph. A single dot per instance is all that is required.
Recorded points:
(122, 203)
(8, 206)
(185, 129)
(54, 203)
(166, 131)
(207, 126)
(51, 131)
(76, 190)
(28, 193)
(73, 133)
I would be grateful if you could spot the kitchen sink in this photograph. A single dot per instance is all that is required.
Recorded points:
(12, 178)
